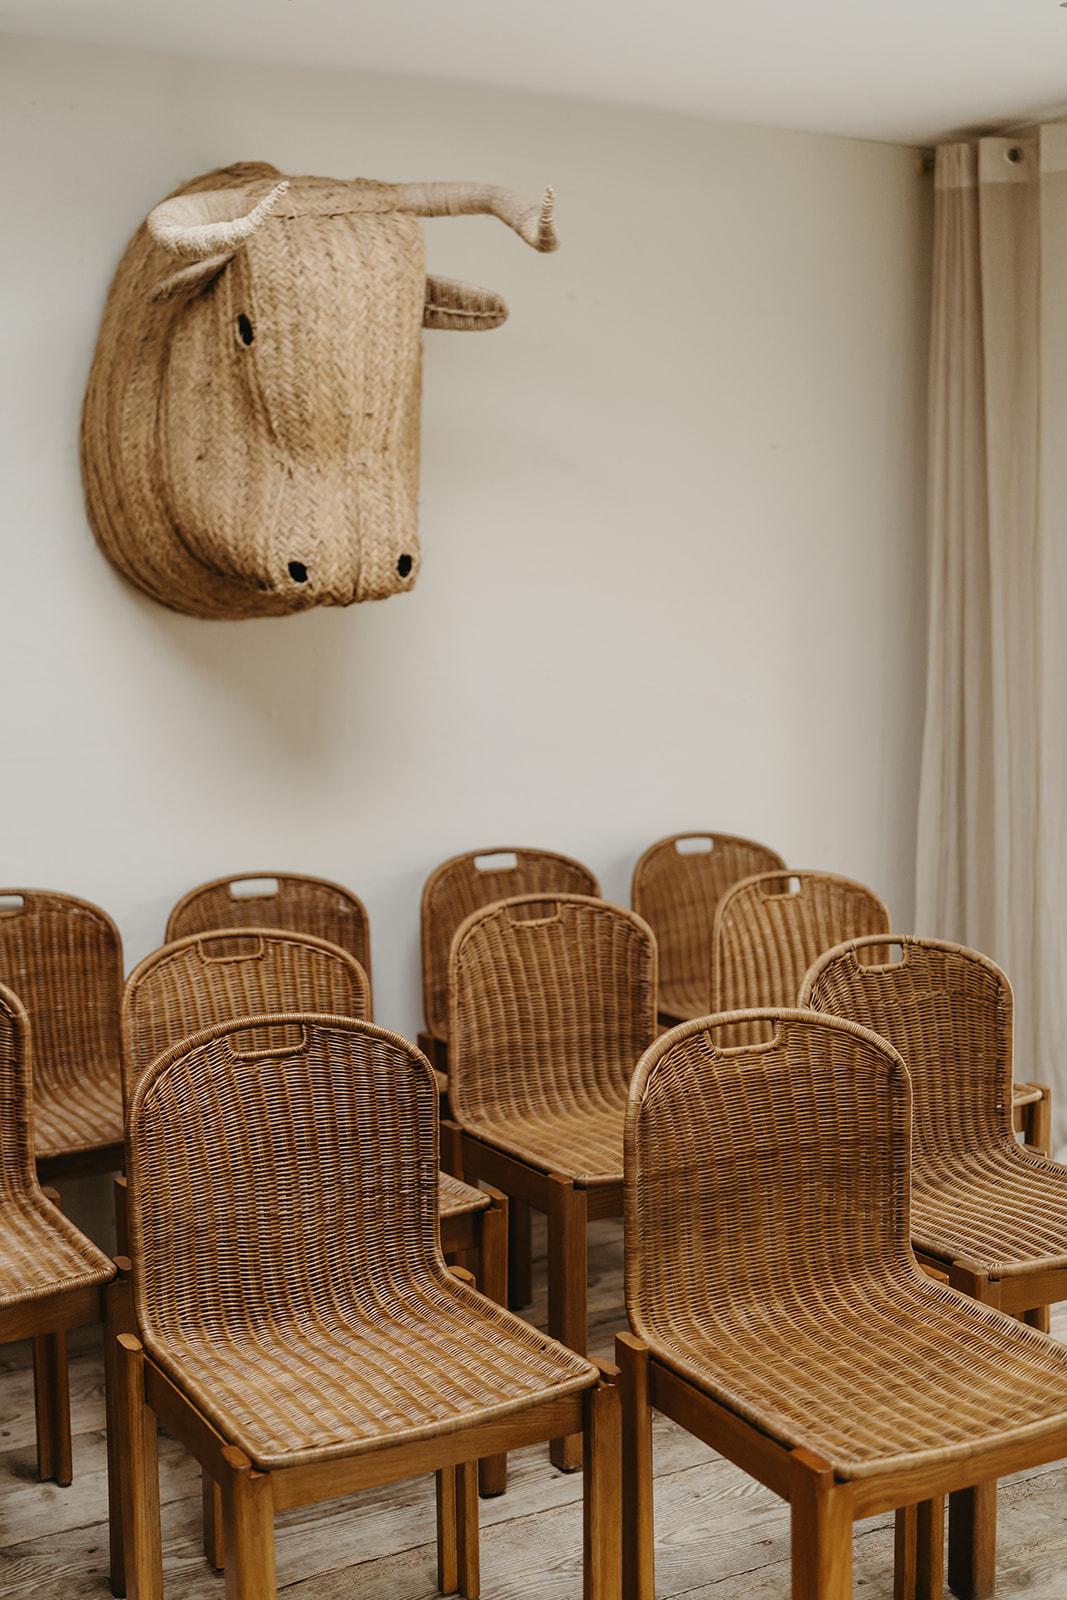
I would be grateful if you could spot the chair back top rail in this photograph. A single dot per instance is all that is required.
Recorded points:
(291, 900)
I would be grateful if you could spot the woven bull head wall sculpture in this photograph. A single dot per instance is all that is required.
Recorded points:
(250, 436)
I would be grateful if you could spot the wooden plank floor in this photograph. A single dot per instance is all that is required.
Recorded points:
(720, 1535)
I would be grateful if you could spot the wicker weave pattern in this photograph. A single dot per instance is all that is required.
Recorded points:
(552, 1003)
(196, 982)
(677, 893)
(766, 936)
(976, 1194)
(63, 958)
(283, 1207)
(40, 1251)
(303, 905)
(459, 887)
(768, 1258)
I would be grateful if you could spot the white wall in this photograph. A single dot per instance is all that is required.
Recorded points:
(671, 513)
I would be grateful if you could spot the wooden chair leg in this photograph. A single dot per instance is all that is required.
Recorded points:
(212, 1522)
(447, 1531)
(638, 1525)
(567, 1286)
(1038, 1123)
(44, 1407)
(467, 1551)
(493, 1282)
(140, 1474)
(821, 1531)
(59, 1379)
(520, 1255)
(248, 1526)
(118, 1318)
(119, 1193)
(601, 1491)
(1040, 1318)
(972, 1542)
(919, 1568)
(972, 1513)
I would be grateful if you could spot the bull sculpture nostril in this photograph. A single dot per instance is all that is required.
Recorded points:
(298, 572)
(403, 566)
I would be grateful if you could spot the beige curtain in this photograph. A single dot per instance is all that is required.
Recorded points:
(991, 858)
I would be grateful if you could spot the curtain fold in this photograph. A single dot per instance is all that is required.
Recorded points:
(994, 767)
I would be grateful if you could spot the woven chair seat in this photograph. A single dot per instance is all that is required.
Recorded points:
(304, 1388)
(1000, 1208)
(457, 1199)
(582, 1143)
(81, 1114)
(872, 1375)
(41, 1252)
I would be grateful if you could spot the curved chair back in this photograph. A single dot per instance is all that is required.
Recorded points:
(762, 1172)
(281, 900)
(464, 884)
(677, 884)
(552, 1002)
(63, 958)
(208, 978)
(769, 929)
(948, 1011)
(280, 1167)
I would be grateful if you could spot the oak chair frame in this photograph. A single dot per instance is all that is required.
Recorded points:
(145, 1395)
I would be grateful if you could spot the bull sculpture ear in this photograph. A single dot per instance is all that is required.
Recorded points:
(191, 280)
(461, 307)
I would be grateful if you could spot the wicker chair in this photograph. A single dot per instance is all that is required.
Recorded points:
(202, 980)
(465, 884)
(370, 1363)
(989, 1215)
(551, 1004)
(676, 890)
(777, 1310)
(63, 958)
(296, 902)
(52, 1278)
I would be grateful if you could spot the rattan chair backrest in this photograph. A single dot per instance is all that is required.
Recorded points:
(208, 978)
(762, 1170)
(770, 928)
(677, 884)
(290, 900)
(63, 958)
(464, 884)
(280, 1167)
(948, 1010)
(553, 1001)
(18, 1172)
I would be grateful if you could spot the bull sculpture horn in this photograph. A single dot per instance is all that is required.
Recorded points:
(534, 223)
(209, 222)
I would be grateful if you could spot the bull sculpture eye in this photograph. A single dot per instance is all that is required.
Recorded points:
(298, 572)
(403, 566)
(244, 328)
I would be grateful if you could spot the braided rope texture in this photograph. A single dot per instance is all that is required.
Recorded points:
(677, 892)
(283, 1213)
(770, 928)
(204, 979)
(63, 958)
(552, 1003)
(41, 1252)
(460, 886)
(212, 462)
(977, 1195)
(300, 903)
(768, 1256)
